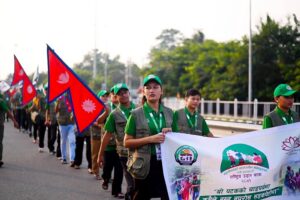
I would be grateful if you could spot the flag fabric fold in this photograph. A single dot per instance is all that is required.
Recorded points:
(85, 104)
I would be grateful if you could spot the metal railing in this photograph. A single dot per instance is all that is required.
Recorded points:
(236, 111)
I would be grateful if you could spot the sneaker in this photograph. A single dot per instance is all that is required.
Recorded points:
(52, 152)
(97, 177)
(119, 195)
(34, 141)
(72, 164)
(105, 185)
(64, 161)
(76, 167)
(90, 171)
(41, 150)
(1, 163)
(59, 158)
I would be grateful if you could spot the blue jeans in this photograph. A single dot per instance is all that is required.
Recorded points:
(67, 133)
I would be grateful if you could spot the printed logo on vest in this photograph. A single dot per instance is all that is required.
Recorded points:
(186, 155)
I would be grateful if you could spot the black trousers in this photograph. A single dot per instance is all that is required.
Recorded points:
(29, 122)
(21, 118)
(58, 152)
(41, 130)
(112, 160)
(35, 130)
(154, 185)
(52, 129)
(79, 150)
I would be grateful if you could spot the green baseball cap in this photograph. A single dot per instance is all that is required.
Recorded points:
(120, 86)
(46, 86)
(152, 77)
(283, 90)
(112, 89)
(102, 92)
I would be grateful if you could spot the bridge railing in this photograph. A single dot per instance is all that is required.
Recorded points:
(236, 111)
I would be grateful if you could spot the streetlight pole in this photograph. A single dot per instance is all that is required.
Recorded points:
(250, 58)
(105, 73)
(95, 50)
(250, 61)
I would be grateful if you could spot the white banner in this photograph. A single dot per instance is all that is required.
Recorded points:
(256, 165)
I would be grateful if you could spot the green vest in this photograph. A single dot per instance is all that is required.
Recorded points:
(277, 121)
(120, 122)
(63, 116)
(183, 124)
(138, 164)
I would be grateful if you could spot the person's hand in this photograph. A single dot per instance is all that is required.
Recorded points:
(166, 130)
(158, 138)
(100, 161)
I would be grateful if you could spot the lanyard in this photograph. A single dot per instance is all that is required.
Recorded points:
(285, 120)
(158, 128)
(194, 126)
(123, 114)
(111, 106)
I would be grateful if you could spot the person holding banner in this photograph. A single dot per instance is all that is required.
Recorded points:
(282, 114)
(4, 109)
(188, 120)
(115, 124)
(144, 131)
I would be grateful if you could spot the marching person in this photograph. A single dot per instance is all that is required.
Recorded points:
(110, 151)
(188, 120)
(144, 131)
(115, 124)
(282, 114)
(80, 138)
(4, 109)
(64, 116)
(40, 106)
(96, 132)
(52, 125)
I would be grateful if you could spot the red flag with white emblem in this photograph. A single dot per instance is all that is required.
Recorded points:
(85, 104)
(28, 91)
(19, 73)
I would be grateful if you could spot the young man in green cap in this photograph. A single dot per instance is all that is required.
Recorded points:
(188, 120)
(4, 109)
(282, 114)
(115, 124)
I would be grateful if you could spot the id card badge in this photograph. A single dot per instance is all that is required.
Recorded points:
(158, 151)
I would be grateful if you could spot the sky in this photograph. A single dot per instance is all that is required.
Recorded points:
(119, 27)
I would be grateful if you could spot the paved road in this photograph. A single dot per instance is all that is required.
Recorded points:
(30, 175)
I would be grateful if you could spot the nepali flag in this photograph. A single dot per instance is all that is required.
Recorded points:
(28, 90)
(85, 104)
